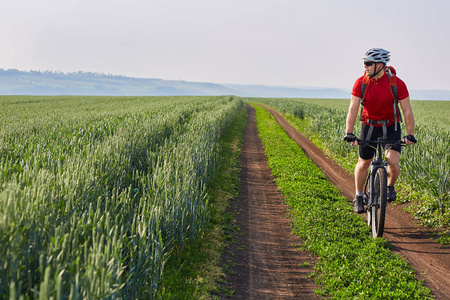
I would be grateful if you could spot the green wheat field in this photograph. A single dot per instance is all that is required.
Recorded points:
(95, 192)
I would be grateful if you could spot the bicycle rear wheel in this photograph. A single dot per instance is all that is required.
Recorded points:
(377, 210)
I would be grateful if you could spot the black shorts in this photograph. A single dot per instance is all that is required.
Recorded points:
(392, 135)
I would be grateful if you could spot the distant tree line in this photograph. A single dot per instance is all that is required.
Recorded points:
(59, 74)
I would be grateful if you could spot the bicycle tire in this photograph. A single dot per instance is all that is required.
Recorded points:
(378, 211)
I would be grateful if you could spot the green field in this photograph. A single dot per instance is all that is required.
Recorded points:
(109, 197)
(96, 193)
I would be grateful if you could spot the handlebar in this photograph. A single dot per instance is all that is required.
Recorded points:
(365, 143)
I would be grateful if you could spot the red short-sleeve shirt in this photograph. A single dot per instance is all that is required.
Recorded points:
(378, 102)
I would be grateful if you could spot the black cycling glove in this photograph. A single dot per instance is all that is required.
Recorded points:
(410, 138)
(350, 137)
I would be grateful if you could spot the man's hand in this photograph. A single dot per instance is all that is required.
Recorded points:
(409, 139)
(351, 138)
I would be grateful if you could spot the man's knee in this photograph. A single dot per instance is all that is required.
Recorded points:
(393, 158)
(363, 163)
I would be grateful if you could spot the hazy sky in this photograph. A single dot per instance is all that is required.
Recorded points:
(271, 42)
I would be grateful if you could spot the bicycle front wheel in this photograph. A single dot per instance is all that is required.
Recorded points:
(378, 207)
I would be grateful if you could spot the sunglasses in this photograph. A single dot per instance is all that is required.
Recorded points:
(368, 63)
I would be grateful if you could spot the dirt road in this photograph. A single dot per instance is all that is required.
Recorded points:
(264, 260)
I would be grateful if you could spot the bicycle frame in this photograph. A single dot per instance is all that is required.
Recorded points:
(377, 162)
(375, 188)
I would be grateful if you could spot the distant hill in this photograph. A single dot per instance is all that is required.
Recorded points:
(15, 82)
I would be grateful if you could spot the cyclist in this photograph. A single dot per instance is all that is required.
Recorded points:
(378, 120)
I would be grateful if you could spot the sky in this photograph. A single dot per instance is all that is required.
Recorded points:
(294, 43)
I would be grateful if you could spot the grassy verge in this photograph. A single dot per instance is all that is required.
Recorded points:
(195, 272)
(351, 264)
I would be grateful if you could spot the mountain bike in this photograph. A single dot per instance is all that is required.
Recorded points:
(375, 188)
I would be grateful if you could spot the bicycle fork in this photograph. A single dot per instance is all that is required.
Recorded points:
(373, 199)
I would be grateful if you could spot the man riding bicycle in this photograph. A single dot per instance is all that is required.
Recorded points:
(378, 94)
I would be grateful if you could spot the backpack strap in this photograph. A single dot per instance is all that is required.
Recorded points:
(365, 82)
(384, 126)
(394, 93)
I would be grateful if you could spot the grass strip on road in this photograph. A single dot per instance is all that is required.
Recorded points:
(351, 264)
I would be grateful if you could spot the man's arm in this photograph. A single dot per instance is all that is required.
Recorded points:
(405, 104)
(352, 114)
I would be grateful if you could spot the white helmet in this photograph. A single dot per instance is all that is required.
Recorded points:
(377, 55)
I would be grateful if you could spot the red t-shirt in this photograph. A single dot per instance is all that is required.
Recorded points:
(378, 103)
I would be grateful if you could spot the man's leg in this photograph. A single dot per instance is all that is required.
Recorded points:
(360, 178)
(361, 174)
(393, 160)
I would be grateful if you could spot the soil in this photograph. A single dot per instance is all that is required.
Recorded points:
(266, 262)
